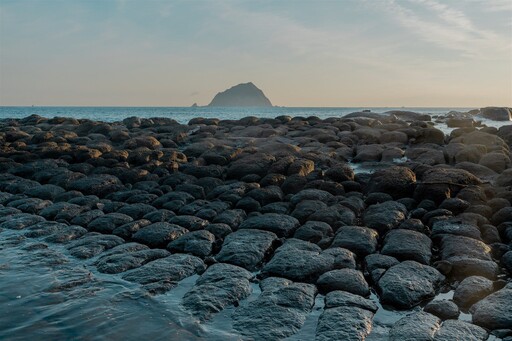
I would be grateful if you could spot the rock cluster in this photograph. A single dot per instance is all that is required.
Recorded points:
(276, 202)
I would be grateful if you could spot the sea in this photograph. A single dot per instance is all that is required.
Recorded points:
(46, 294)
(185, 114)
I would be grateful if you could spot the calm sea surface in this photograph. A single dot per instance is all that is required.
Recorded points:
(185, 114)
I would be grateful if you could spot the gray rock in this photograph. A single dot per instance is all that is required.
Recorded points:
(443, 309)
(384, 217)
(93, 244)
(418, 326)
(408, 245)
(83, 219)
(397, 181)
(158, 235)
(127, 230)
(109, 222)
(506, 260)
(99, 185)
(163, 274)
(455, 330)
(198, 243)
(233, 218)
(455, 227)
(310, 194)
(20, 221)
(136, 211)
(246, 248)
(127, 256)
(409, 283)
(305, 262)
(45, 192)
(496, 113)
(281, 224)
(340, 298)
(494, 311)
(471, 290)
(278, 312)
(348, 280)
(220, 286)
(467, 257)
(191, 223)
(379, 261)
(313, 231)
(344, 323)
(358, 239)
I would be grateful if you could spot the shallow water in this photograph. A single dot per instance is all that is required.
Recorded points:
(48, 295)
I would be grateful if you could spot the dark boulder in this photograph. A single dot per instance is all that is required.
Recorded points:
(348, 280)
(443, 309)
(471, 290)
(158, 235)
(163, 274)
(408, 245)
(397, 181)
(278, 312)
(305, 262)
(384, 217)
(358, 239)
(197, 243)
(246, 248)
(220, 286)
(280, 224)
(494, 311)
(409, 283)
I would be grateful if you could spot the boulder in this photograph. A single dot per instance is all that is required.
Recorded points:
(220, 286)
(496, 113)
(246, 248)
(407, 284)
(471, 290)
(444, 309)
(358, 239)
(494, 311)
(127, 256)
(397, 181)
(93, 244)
(348, 280)
(278, 312)
(281, 224)
(163, 274)
(198, 243)
(305, 262)
(408, 245)
(385, 216)
(158, 235)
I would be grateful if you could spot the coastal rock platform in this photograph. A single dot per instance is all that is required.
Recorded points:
(287, 228)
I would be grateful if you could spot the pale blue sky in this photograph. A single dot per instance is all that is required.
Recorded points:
(300, 53)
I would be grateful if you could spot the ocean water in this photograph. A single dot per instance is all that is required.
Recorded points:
(185, 114)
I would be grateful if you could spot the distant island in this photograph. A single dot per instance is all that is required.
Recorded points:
(241, 95)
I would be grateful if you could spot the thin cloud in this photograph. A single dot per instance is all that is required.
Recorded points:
(450, 28)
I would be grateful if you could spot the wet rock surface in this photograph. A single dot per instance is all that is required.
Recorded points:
(253, 221)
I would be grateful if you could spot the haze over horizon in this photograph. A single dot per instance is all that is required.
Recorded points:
(414, 53)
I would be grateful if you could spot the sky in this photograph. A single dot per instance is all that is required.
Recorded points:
(343, 53)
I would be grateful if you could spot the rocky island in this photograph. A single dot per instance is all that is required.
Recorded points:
(337, 222)
(241, 95)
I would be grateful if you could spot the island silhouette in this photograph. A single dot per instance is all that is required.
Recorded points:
(241, 95)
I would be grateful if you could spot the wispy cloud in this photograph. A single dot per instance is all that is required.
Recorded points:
(448, 28)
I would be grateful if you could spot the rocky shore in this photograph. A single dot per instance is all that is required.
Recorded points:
(281, 203)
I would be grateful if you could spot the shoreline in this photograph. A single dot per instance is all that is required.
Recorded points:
(276, 202)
